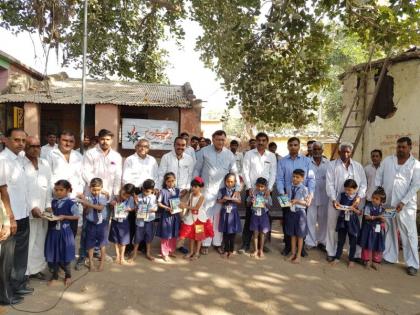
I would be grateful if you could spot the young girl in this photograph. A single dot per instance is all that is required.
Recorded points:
(146, 213)
(296, 225)
(372, 235)
(347, 222)
(119, 233)
(59, 243)
(196, 226)
(169, 224)
(260, 221)
(94, 205)
(230, 221)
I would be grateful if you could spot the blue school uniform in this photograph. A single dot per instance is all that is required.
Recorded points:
(260, 221)
(369, 238)
(96, 223)
(59, 243)
(169, 224)
(353, 225)
(145, 227)
(296, 223)
(230, 222)
(119, 232)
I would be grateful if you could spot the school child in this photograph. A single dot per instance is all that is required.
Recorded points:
(145, 216)
(372, 234)
(230, 221)
(119, 233)
(59, 244)
(94, 205)
(296, 225)
(260, 221)
(196, 226)
(170, 222)
(347, 222)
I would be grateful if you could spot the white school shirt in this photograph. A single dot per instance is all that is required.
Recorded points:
(46, 149)
(137, 170)
(320, 194)
(401, 182)
(182, 168)
(370, 172)
(256, 165)
(239, 158)
(38, 189)
(106, 167)
(13, 174)
(337, 174)
(191, 152)
(70, 171)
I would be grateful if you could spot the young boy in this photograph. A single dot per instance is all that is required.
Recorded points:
(94, 206)
(260, 221)
(296, 225)
(146, 213)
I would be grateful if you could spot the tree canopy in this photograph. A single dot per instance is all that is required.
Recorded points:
(274, 57)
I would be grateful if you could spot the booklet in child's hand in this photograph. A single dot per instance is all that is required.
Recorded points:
(390, 213)
(119, 212)
(175, 202)
(284, 201)
(49, 216)
(344, 208)
(259, 202)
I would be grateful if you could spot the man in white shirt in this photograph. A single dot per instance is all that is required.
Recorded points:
(239, 156)
(51, 145)
(189, 150)
(12, 171)
(338, 171)
(213, 163)
(317, 212)
(179, 163)
(258, 162)
(38, 199)
(140, 166)
(370, 170)
(399, 175)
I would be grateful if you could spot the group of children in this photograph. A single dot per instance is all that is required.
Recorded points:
(182, 216)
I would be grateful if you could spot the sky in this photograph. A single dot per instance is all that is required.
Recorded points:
(184, 64)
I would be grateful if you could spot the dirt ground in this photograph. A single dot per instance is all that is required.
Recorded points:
(241, 285)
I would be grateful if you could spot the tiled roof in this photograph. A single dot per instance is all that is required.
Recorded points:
(68, 91)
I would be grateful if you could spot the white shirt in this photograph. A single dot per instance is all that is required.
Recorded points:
(320, 194)
(256, 165)
(370, 172)
(13, 174)
(239, 157)
(137, 170)
(337, 174)
(38, 185)
(182, 168)
(70, 171)
(401, 182)
(46, 149)
(191, 152)
(106, 167)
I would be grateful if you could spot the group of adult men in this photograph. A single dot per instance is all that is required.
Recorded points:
(26, 181)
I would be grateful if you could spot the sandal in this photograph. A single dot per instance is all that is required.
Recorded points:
(220, 250)
(204, 250)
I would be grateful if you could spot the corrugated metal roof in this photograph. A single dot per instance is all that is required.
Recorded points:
(68, 91)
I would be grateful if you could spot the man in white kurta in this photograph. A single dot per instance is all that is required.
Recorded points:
(370, 171)
(38, 198)
(399, 175)
(338, 172)
(179, 163)
(213, 163)
(140, 166)
(317, 214)
(51, 145)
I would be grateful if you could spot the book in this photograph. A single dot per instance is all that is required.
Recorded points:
(119, 211)
(390, 213)
(259, 202)
(142, 212)
(175, 202)
(49, 216)
(344, 208)
(284, 201)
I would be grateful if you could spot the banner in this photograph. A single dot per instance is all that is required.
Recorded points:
(160, 133)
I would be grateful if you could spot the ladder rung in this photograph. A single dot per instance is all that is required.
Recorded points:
(353, 126)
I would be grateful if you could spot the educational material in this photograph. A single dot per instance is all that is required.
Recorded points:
(259, 202)
(142, 213)
(49, 216)
(390, 213)
(344, 208)
(284, 201)
(175, 202)
(119, 211)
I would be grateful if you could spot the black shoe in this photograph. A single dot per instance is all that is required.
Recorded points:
(285, 252)
(266, 249)
(304, 253)
(25, 291)
(183, 250)
(330, 258)
(13, 301)
(322, 247)
(39, 276)
(411, 271)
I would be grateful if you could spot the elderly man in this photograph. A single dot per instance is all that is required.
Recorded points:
(140, 166)
(38, 199)
(213, 163)
(400, 176)
(258, 162)
(179, 163)
(317, 211)
(11, 162)
(51, 145)
(285, 168)
(370, 171)
(338, 172)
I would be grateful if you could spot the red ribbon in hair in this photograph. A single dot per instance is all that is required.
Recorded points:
(199, 180)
